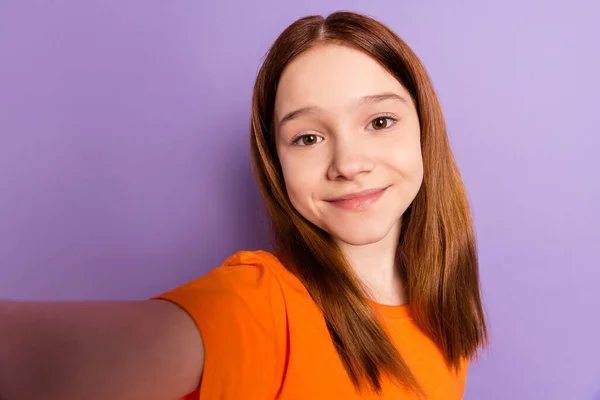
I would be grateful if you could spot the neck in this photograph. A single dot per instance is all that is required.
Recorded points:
(375, 265)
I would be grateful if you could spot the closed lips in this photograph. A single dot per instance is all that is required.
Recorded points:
(357, 195)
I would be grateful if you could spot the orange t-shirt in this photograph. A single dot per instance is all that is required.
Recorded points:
(265, 338)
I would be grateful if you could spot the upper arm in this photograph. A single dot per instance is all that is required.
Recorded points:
(240, 312)
(100, 350)
(179, 351)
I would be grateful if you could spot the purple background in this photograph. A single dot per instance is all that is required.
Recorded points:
(124, 166)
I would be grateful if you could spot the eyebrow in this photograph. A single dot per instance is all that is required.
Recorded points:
(371, 99)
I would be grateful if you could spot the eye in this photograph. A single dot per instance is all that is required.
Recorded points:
(383, 122)
(307, 140)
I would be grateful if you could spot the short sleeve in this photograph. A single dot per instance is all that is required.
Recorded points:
(240, 313)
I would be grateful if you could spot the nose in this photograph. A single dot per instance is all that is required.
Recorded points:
(350, 160)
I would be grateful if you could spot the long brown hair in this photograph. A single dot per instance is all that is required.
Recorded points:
(437, 251)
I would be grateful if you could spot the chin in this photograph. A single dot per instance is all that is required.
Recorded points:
(359, 235)
(358, 240)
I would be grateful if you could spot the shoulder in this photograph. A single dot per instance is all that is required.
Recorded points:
(252, 257)
(246, 279)
(462, 375)
(240, 313)
(249, 269)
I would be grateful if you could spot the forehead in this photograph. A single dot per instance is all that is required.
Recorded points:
(331, 76)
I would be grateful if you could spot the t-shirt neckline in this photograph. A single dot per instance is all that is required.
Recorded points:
(389, 311)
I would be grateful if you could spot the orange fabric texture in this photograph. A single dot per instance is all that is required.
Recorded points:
(264, 338)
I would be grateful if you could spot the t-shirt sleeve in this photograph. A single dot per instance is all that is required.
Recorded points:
(240, 313)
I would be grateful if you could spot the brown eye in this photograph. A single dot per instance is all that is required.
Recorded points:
(380, 123)
(308, 140)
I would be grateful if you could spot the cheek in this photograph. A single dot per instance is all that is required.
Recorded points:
(300, 181)
(413, 163)
(295, 192)
(404, 157)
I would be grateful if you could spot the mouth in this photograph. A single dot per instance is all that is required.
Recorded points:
(358, 200)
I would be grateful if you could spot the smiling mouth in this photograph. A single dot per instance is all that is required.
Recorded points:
(358, 200)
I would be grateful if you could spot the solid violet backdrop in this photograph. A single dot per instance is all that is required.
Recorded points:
(124, 162)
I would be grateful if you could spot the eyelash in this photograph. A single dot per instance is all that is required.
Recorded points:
(386, 116)
(297, 138)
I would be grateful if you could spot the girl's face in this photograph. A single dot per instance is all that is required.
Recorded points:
(348, 139)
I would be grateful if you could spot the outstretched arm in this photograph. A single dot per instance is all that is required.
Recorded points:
(98, 350)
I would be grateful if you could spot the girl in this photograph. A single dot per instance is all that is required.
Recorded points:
(373, 291)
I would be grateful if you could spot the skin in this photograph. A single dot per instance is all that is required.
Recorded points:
(341, 143)
(97, 350)
(152, 349)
